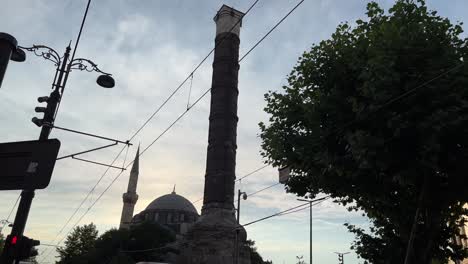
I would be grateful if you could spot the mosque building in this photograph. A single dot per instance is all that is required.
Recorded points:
(215, 236)
(172, 211)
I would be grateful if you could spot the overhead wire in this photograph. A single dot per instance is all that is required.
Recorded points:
(396, 99)
(318, 202)
(386, 105)
(161, 106)
(187, 110)
(243, 177)
(223, 231)
(11, 211)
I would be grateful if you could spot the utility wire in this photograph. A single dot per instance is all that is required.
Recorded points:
(225, 231)
(188, 109)
(156, 111)
(302, 209)
(378, 109)
(271, 30)
(73, 55)
(253, 172)
(11, 211)
(243, 177)
(390, 102)
(190, 75)
(261, 190)
(200, 199)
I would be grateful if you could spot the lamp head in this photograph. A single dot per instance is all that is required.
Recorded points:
(18, 55)
(105, 81)
(244, 196)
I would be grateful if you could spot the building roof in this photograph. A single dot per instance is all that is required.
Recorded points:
(172, 201)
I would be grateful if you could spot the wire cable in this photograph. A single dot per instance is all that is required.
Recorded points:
(157, 109)
(250, 50)
(188, 109)
(11, 211)
(261, 190)
(253, 172)
(318, 202)
(192, 72)
(271, 30)
(225, 231)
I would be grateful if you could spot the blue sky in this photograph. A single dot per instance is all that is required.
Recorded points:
(150, 47)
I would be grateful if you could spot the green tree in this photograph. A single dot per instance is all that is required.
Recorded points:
(377, 117)
(114, 245)
(2, 242)
(78, 245)
(255, 257)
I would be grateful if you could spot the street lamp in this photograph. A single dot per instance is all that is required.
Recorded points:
(310, 222)
(244, 197)
(8, 51)
(64, 65)
(341, 257)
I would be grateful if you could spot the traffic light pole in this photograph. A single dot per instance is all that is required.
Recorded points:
(28, 195)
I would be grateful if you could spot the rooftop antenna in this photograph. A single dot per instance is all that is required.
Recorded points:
(173, 190)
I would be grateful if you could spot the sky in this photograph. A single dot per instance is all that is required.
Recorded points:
(150, 47)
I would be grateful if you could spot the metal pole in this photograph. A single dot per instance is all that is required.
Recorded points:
(310, 242)
(237, 230)
(409, 248)
(238, 205)
(28, 195)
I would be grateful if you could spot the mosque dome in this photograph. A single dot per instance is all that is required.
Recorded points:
(172, 211)
(172, 201)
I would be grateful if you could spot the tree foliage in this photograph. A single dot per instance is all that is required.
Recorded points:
(115, 245)
(2, 242)
(78, 244)
(377, 117)
(255, 257)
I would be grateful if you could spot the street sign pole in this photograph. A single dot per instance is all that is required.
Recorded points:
(28, 195)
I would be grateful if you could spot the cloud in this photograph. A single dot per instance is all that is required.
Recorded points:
(150, 47)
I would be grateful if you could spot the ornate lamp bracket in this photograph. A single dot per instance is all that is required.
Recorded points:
(86, 65)
(44, 52)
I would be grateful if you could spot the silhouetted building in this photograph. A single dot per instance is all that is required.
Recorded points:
(130, 197)
(170, 210)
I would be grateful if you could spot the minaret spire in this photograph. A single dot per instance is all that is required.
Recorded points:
(130, 197)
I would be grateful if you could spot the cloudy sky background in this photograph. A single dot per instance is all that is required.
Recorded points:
(150, 47)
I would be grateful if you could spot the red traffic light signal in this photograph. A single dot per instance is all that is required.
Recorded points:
(14, 240)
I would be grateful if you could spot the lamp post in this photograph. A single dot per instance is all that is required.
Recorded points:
(64, 65)
(244, 196)
(310, 223)
(341, 257)
(8, 51)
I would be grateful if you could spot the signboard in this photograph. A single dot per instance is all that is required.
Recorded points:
(284, 174)
(27, 164)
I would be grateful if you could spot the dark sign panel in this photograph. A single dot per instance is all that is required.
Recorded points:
(27, 164)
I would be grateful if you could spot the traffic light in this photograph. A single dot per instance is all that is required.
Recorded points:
(11, 246)
(26, 248)
(20, 247)
(40, 109)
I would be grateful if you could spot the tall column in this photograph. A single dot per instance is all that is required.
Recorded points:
(212, 239)
(222, 146)
(130, 197)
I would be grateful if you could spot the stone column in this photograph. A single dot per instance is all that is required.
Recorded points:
(221, 154)
(212, 239)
